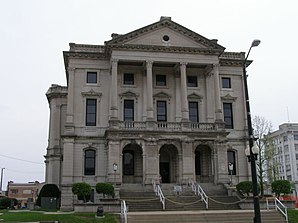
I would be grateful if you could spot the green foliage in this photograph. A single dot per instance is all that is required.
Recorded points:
(244, 188)
(83, 190)
(48, 190)
(281, 187)
(104, 188)
(6, 202)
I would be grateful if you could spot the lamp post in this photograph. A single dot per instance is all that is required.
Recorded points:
(231, 168)
(257, 217)
(1, 179)
(115, 168)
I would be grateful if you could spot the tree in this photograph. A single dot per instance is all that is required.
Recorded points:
(82, 190)
(104, 188)
(6, 202)
(261, 128)
(281, 187)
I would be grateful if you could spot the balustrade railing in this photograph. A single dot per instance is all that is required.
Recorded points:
(167, 126)
(159, 193)
(124, 211)
(198, 190)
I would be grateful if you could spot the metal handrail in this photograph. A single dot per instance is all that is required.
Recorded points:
(198, 190)
(159, 193)
(285, 212)
(124, 210)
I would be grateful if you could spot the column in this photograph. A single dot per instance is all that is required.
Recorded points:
(184, 101)
(144, 105)
(178, 97)
(114, 90)
(149, 91)
(218, 110)
(69, 125)
(188, 164)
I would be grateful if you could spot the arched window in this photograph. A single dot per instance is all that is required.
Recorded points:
(232, 159)
(89, 162)
(128, 162)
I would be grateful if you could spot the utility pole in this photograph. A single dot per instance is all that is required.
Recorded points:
(1, 179)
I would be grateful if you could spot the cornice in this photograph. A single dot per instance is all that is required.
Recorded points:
(56, 91)
(129, 94)
(91, 93)
(167, 49)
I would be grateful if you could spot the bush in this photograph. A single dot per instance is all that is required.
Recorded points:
(104, 188)
(281, 187)
(6, 202)
(244, 187)
(48, 190)
(82, 190)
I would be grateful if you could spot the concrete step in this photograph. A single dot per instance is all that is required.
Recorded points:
(204, 216)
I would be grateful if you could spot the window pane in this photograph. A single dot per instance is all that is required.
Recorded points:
(89, 162)
(192, 81)
(226, 82)
(161, 80)
(228, 115)
(91, 112)
(128, 78)
(198, 163)
(92, 77)
(193, 112)
(161, 111)
(128, 110)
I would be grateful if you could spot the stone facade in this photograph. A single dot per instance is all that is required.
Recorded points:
(159, 103)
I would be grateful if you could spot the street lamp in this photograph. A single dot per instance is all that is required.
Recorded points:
(257, 217)
(231, 168)
(1, 179)
(115, 168)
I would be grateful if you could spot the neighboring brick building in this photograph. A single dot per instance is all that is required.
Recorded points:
(24, 192)
(160, 102)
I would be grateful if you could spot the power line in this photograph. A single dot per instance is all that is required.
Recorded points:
(14, 158)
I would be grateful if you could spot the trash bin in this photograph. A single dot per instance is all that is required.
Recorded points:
(99, 212)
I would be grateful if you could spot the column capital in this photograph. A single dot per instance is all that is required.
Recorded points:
(216, 65)
(149, 62)
(183, 64)
(71, 69)
(114, 60)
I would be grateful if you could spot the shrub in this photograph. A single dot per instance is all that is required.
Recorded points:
(6, 202)
(281, 187)
(104, 188)
(48, 190)
(244, 187)
(82, 190)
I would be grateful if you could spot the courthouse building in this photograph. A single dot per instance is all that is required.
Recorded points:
(158, 103)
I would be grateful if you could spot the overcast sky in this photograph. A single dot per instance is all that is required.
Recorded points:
(34, 34)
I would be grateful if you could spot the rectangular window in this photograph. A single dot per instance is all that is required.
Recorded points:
(161, 111)
(193, 111)
(91, 112)
(228, 115)
(285, 138)
(128, 79)
(226, 82)
(89, 162)
(14, 191)
(91, 77)
(192, 81)
(161, 80)
(231, 161)
(128, 110)
(295, 137)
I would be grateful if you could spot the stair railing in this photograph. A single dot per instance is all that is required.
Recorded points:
(124, 211)
(280, 206)
(159, 193)
(198, 190)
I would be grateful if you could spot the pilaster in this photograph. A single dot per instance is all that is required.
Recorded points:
(150, 108)
(114, 90)
(184, 102)
(69, 125)
(218, 109)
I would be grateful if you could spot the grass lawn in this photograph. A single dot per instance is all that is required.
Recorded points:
(28, 216)
(293, 216)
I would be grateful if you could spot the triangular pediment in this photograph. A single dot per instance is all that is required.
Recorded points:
(165, 33)
(194, 96)
(228, 97)
(129, 94)
(161, 95)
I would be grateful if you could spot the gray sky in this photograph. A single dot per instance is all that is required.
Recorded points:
(34, 33)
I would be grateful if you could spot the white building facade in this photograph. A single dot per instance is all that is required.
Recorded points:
(285, 142)
(158, 103)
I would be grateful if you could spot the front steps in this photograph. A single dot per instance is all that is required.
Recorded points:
(239, 216)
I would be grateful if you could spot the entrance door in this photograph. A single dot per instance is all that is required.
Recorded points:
(164, 171)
